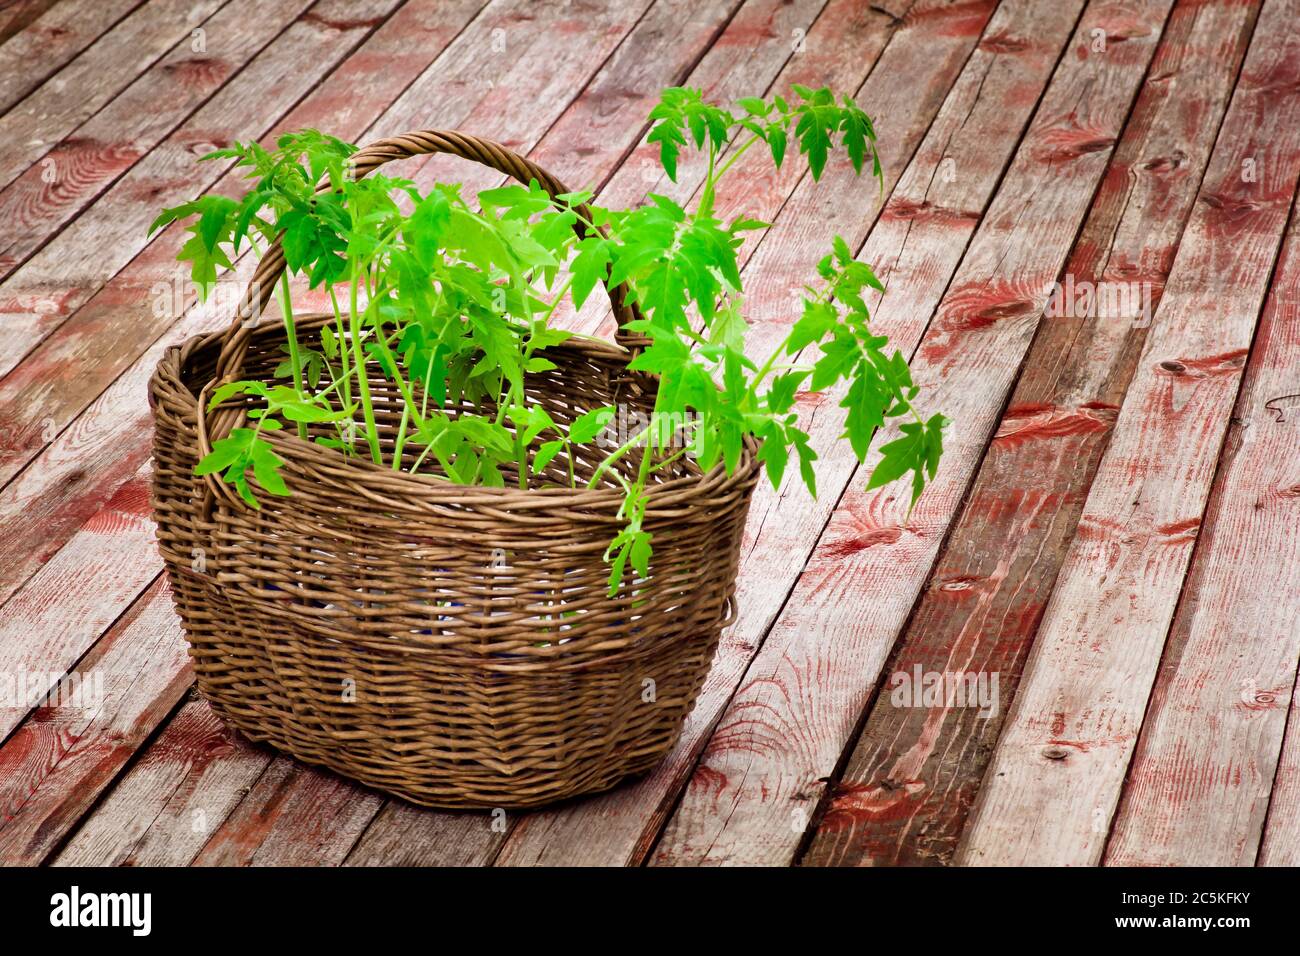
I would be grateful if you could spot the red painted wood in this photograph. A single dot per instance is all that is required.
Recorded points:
(54, 767)
(18, 15)
(100, 72)
(759, 781)
(40, 37)
(1199, 785)
(82, 164)
(405, 835)
(39, 296)
(165, 807)
(48, 625)
(292, 816)
(909, 784)
(1053, 784)
(929, 46)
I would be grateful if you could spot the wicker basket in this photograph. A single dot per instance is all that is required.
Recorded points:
(455, 646)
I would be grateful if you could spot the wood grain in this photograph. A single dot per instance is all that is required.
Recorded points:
(1052, 787)
(162, 811)
(84, 86)
(404, 835)
(912, 777)
(292, 816)
(753, 794)
(48, 625)
(1199, 784)
(40, 37)
(18, 15)
(930, 45)
(54, 767)
(87, 160)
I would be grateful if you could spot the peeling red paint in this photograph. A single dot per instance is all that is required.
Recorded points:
(842, 549)
(1028, 422)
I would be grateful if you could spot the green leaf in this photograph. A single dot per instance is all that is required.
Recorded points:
(866, 401)
(590, 266)
(225, 452)
(917, 451)
(781, 395)
(729, 327)
(223, 392)
(839, 357)
(818, 318)
(266, 469)
(545, 454)
(590, 424)
(243, 449)
(806, 458)
(641, 552)
(775, 455)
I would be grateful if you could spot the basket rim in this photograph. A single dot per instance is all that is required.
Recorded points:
(365, 478)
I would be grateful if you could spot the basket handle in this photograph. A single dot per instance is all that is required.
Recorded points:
(367, 159)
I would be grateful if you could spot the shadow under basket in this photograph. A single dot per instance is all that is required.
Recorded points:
(455, 646)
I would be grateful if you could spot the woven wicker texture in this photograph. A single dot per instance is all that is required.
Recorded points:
(455, 646)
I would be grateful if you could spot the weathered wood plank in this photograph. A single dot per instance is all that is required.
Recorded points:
(930, 46)
(86, 462)
(54, 767)
(19, 15)
(1052, 786)
(765, 769)
(1281, 843)
(293, 816)
(85, 85)
(164, 808)
(909, 784)
(1200, 782)
(39, 40)
(40, 295)
(405, 835)
(48, 625)
(82, 164)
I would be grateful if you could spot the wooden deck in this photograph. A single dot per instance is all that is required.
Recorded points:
(1111, 549)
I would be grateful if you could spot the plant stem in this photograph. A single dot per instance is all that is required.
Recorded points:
(346, 378)
(295, 359)
(735, 155)
(363, 382)
(615, 455)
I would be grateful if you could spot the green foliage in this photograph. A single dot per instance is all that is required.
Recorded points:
(452, 305)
